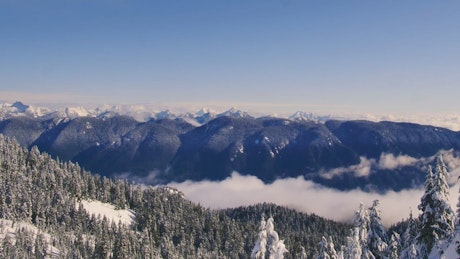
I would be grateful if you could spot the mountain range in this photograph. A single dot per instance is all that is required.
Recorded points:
(207, 145)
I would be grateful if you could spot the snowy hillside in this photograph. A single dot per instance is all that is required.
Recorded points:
(12, 233)
(124, 216)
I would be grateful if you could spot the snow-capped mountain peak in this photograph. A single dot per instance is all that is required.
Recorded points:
(203, 111)
(77, 112)
(19, 109)
(146, 112)
(232, 112)
(302, 116)
(166, 114)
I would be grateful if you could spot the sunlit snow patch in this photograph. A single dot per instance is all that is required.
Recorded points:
(10, 228)
(108, 210)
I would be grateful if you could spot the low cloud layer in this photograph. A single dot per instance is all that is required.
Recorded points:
(391, 162)
(307, 196)
(302, 195)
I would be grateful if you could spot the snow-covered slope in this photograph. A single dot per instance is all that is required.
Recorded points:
(447, 249)
(109, 211)
(10, 229)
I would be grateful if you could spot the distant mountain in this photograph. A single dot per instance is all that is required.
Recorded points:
(20, 107)
(140, 113)
(339, 154)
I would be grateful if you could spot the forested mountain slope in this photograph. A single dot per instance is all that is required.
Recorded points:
(165, 150)
(42, 213)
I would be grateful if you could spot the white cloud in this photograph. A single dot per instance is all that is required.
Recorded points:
(302, 195)
(362, 169)
(389, 161)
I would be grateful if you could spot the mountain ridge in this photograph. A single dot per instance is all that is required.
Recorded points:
(174, 149)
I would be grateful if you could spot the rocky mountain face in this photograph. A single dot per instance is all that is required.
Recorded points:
(164, 150)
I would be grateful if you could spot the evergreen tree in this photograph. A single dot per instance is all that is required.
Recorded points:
(341, 253)
(323, 254)
(377, 234)
(260, 248)
(272, 238)
(394, 246)
(303, 253)
(276, 247)
(102, 248)
(331, 249)
(121, 245)
(8, 250)
(361, 222)
(280, 250)
(437, 218)
(268, 242)
(456, 235)
(327, 249)
(409, 248)
(446, 215)
(40, 246)
(353, 249)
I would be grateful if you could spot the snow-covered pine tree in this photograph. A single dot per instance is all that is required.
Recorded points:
(303, 253)
(408, 242)
(361, 222)
(341, 253)
(377, 237)
(437, 218)
(446, 215)
(268, 241)
(280, 250)
(272, 238)
(331, 249)
(276, 247)
(353, 249)
(260, 248)
(426, 236)
(8, 250)
(394, 246)
(40, 246)
(456, 236)
(322, 253)
(326, 249)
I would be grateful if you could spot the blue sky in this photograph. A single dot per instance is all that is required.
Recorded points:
(356, 56)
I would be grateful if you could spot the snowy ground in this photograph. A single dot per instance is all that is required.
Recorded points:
(449, 251)
(8, 227)
(108, 210)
